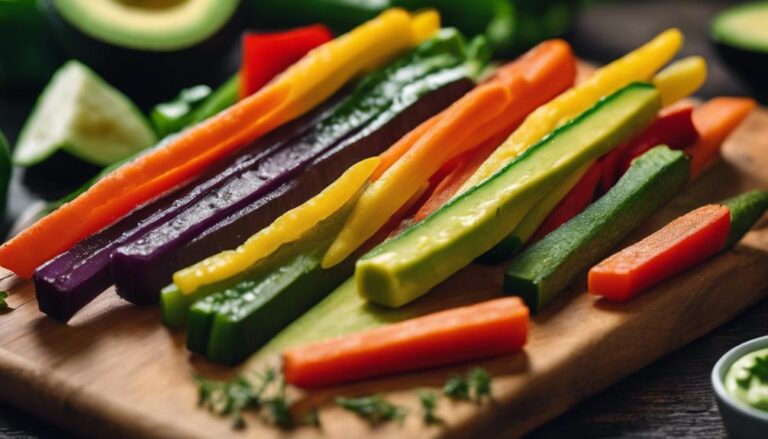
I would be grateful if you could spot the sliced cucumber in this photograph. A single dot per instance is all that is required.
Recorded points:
(83, 115)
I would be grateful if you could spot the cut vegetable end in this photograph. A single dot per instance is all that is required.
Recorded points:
(681, 79)
(424, 25)
(746, 209)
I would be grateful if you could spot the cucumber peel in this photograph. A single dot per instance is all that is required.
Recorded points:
(81, 114)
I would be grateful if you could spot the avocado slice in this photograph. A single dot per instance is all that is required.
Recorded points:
(741, 36)
(406, 267)
(156, 25)
(148, 47)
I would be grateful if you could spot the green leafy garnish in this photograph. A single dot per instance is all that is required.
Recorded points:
(476, 386)
(480, 383)
(428, 402)
(3, 303)
(373, 409)
(231, 398)
(456, 388)
(758, 369)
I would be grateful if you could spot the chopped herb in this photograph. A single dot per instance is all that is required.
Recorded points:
(476, 385)
(3, 303)
(759, 370)
(456, 388)
(373, 409)
(428, 406)
(231, 398)
(279, 408)
(480, 383)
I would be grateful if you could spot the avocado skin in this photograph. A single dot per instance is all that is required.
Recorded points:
(750, 65)
(147, 75)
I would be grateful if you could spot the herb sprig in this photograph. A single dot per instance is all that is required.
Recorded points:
(268, 390)
(374, 409)
(476, 385)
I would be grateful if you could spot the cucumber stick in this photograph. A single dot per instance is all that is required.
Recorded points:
(83, 115)
(546, 268)
(406, 267)
(745, 209)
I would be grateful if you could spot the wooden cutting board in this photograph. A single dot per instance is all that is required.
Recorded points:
(115, 371)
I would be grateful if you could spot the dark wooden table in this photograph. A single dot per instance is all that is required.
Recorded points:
(670, 398)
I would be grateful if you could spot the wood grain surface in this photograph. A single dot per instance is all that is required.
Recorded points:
(116, 371)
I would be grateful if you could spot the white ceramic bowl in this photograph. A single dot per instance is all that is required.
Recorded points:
(741, 421)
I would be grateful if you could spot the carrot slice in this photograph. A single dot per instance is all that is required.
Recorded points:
(298, 89)
(715, 120)
(678, 246)
(482, 330)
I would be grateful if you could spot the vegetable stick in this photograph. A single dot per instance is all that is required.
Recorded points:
(576, 201)
(285, 229)
(638, 65)
(715, 120)
(307, 83)
(681, 79)
(482, 330)
(674, 127)
(265, 55)
(678, 246)
(479, 115)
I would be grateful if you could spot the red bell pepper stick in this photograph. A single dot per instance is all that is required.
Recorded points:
(678, 246)
(266, 55)
(674, 127)
(577, 200)
(482, 330)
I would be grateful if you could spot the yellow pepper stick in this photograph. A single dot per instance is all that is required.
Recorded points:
(287, 228)
(681, 79)
(425, 24)
(326, 68)
(385, 196)
(638, 65)
(677, 81)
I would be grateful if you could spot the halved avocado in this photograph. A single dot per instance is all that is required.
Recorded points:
(148, 47)
(741, 36)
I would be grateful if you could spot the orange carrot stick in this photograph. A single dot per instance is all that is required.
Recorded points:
(715, 120)
(678, 246)
(486, 329)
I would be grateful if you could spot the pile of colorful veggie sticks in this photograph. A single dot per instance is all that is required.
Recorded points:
(423, 174)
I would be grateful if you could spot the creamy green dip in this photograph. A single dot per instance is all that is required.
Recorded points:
(747, 380)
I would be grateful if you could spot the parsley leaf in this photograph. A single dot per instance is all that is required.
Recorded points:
(373, 409)
(456, 388)
(3, 303)
(480, 383)
(428, 402)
